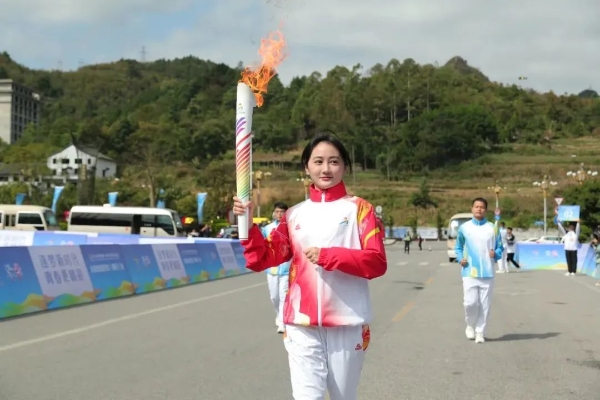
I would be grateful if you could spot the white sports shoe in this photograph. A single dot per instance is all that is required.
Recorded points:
(280, 329)
(567, 274)
(470, 332)
(479, 338)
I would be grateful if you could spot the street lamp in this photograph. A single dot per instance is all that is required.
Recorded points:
(545, 185)
(306, 182)
(497, 188)
(259, 176)
(581, 174)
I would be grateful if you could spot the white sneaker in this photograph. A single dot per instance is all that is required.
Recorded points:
(280, 329)
(572, 273)
(479, 338)
(470, 332)
(499, 271)
(567, 274)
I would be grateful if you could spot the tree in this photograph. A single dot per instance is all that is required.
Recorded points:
(421, 200)
(587, 196)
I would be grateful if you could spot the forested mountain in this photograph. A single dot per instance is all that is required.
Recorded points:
(397, 117)
(170, 124)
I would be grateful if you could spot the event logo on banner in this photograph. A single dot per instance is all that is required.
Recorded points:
(57, 192)
(143, 268)
(20, 292)
(112, 198)
(200, 200)
(202, 262)
(106, 266)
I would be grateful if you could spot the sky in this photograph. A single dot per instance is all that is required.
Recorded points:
(554, 43)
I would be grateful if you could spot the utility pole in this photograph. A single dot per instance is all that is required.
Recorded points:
(143, 53)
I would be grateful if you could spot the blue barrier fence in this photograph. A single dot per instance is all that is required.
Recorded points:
(39, 277)
(545, 256)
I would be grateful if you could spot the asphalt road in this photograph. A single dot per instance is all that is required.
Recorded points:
(217, 340)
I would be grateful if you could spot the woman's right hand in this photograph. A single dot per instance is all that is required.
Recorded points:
(239, 208)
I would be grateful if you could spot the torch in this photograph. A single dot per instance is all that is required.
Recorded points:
(250, 92)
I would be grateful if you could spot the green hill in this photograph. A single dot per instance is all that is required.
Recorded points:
(169, 124)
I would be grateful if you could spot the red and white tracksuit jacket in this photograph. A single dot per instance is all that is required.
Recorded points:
(335, 292)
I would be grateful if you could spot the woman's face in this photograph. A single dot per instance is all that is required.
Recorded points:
(325, 166)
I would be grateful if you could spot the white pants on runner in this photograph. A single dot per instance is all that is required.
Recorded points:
(477, 300)
(503, 262)
(278, 287)
(326, 360)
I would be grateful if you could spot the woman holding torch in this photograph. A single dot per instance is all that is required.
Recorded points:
(335, 247)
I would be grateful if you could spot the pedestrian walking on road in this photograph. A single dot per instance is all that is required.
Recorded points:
(407, 240)
(335, 247)
(478, 247)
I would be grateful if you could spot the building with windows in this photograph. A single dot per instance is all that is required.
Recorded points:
(73, 160)
(19, 106)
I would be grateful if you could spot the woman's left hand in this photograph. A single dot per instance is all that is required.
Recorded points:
(312, 254)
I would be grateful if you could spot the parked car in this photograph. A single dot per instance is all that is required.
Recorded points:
(226, 232)
(548, 239)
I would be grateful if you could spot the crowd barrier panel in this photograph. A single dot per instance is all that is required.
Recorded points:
(550, 256)
(11, 238)
(38, 278)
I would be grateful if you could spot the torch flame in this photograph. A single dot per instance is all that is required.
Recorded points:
(272, 50)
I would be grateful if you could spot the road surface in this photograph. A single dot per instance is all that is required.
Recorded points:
(217, 340)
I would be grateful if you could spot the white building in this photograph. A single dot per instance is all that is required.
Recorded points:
(19, 106)
(68, 162)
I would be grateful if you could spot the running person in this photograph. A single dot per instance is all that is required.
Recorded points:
(335, 247)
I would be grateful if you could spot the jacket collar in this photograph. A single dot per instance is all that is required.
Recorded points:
(477, 222)
(331, 194)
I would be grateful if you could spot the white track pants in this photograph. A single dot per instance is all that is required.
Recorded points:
(503, 262)
(477, 301)
(278, 286)
(326, 360)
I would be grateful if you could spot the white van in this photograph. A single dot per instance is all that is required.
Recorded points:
(27, 218)
(145, 221)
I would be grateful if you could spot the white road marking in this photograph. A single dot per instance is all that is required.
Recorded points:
(402, 263)
(122, 319)
(445, 264)
(424, 263)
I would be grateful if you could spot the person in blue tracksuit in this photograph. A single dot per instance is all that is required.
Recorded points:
(277, 277)
(478, 247)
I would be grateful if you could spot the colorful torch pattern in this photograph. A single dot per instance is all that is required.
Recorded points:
(243, 151)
